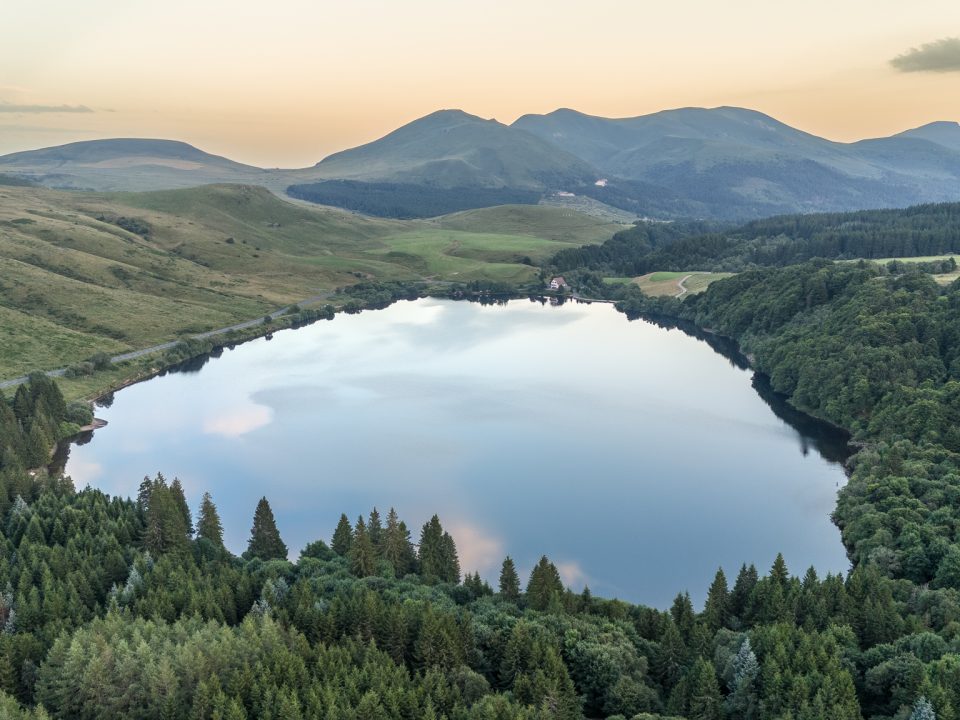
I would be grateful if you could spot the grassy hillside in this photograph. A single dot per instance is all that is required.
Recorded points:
(82, 272)
(127, 164)
(552, 223)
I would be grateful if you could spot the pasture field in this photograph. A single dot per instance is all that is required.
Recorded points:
(83, 272)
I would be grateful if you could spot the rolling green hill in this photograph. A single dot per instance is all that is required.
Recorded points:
(87, 272)
(127, 164)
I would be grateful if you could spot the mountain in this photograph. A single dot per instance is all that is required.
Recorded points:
(723, 163)
(126, 164)
(942, 133)
(450, 148)
(736, 163)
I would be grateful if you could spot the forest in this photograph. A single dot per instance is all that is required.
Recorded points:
(117, 608)
(917, 231)
(405, 201)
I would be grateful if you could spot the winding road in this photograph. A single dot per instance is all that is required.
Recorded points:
(167, 345)
(680, 284)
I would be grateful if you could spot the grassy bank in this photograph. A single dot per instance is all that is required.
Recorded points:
(84, 273)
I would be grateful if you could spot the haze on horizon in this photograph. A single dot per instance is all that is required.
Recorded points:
(286, 83)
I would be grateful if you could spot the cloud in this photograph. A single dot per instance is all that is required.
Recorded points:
(478, 550)
(238, 421)
(939, 56)
(6, 107)
(572, 574)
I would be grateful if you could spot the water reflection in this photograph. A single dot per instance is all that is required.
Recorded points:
(634, 455)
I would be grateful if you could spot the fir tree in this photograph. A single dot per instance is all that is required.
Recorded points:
(509, 581)
(544, 584)
(265, 542)
(704, 702)
(342, 537)
(438, 554)
(923, 710)
(716, 611)
(742, 701)
(166, 528)
(375, 530)
(176, 488)
(363, 556)
(741, 596)
(396, 544)
(778, 572)
(209, 526)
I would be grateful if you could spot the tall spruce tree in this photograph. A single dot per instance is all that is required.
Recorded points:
(375, 530)
(209, 526)
(704, 698)
(176, 488)
(716, 611)
(166, 529)
(265, 542)
(438, 554)
(342, 537)
(396, 545)
(363, 555)
(509, 580)
(544, 584)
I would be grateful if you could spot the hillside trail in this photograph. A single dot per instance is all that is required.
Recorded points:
(132, 355)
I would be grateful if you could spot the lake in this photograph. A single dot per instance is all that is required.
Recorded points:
(637, 458)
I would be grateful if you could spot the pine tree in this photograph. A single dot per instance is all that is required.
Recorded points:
(363, 556)
(716, 611)
(778, 572)
(143, 494)
(509, 581)
(544, 583)
(342, 537)
(742, 701)
(209, 526)
(450, 562)
(396, 545)
(741, 605)
(166, 529)
(375, 530)
(176, 488)
(923, 710)
(438, 554)
(265, 542)
(683, 615)
(704, 703)
(672, 658)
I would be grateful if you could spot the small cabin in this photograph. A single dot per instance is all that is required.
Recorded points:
(557, 283)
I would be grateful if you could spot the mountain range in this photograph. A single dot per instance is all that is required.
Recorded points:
(725, 163)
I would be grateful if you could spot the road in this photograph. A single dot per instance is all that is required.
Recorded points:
(680, 284)
(167, 345)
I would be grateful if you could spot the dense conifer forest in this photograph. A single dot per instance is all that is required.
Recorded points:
(789, 239)
(117, 608)
(405, 201)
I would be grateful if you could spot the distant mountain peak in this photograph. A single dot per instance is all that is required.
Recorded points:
(942, 132)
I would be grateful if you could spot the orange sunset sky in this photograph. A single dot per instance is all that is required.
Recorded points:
(285, 82)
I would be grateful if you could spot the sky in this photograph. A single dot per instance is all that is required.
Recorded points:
(286, 82)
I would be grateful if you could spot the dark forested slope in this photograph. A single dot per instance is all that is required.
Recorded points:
(911, 232)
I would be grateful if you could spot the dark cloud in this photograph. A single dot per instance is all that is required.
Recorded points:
(6, 107)
(937, 56)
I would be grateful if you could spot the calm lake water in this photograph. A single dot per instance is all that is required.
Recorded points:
(637, 458)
